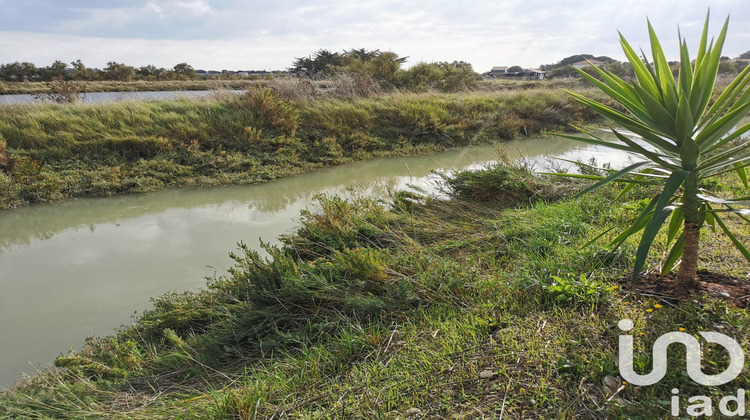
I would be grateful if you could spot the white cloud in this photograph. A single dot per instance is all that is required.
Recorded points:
(269, 35)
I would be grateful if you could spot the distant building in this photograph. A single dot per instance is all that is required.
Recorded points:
(501, 72)
(532, 74)
(584, 63)
(498, 70)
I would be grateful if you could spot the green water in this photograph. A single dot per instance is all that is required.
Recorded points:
(83, 267)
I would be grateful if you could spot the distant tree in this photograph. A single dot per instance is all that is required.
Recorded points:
(442, 76)
(81, 72)
(514, 69)
(361, 54)
(57, 70)
(19, 72)
(321, 62)
(149, 71)
(745, 55)
(574, 59)
(379, 65)
(184, 70)
(562, 72)
(119, 71)
(384, 66)
(728, 67)
(617, 68)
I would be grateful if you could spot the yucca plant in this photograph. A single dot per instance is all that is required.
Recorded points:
(682, 137)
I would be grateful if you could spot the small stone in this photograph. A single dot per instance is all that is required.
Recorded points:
(486, 374)
(725, 294)
(611, 384)
(412, 412)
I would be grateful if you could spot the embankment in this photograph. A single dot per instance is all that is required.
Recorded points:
(52, 152)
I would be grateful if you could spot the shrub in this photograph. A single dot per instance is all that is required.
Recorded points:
(3, 152)
(273, 111)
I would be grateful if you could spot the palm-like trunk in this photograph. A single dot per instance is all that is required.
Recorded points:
(687, 275)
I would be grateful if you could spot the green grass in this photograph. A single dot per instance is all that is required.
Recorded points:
(9, 88)
(60, 151)
(369, 310)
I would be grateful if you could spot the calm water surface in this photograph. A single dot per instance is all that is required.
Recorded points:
(83, 267)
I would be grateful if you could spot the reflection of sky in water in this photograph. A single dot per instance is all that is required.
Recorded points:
(81, 267)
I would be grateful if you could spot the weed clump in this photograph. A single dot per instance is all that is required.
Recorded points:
(3, 153)
(509, 185)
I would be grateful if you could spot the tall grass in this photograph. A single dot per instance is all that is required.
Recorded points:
(58, 151)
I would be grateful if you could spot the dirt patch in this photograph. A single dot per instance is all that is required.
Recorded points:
(734, 290)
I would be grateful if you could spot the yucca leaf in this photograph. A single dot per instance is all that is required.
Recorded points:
(729, 137)
(613, 115)
(639, 128)
(735, 164)
(684, 124)
(703, 41)
(646, 172)
(675, 223)
(622, 94)
(685, 77)
(711, 64)
(725, 156)
(731, 93)
(739, 212)
(674, 254)
(714, 132)
(663, 121)
(597, 141)
(717, 200)
(645, 152)
(661, 211)
(710, 221)
(639, 223)
(731, 236)
(741, 173)
(663, 73)
(641, 71)
(617, 175)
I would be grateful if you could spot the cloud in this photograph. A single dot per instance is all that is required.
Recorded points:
(253, 34)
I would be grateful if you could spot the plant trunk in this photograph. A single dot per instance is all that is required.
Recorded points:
(687, 275)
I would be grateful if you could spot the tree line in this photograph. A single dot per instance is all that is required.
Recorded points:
(384, 67)
(59, 70)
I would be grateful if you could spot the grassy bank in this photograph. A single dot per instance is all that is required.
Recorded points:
(10, 88)
(52, 152)
(482, 306)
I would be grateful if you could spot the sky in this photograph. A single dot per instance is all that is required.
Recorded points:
(270, 34)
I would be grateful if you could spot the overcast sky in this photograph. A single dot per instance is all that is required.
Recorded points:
(252, 34)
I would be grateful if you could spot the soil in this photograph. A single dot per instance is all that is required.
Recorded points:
(734, 290)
